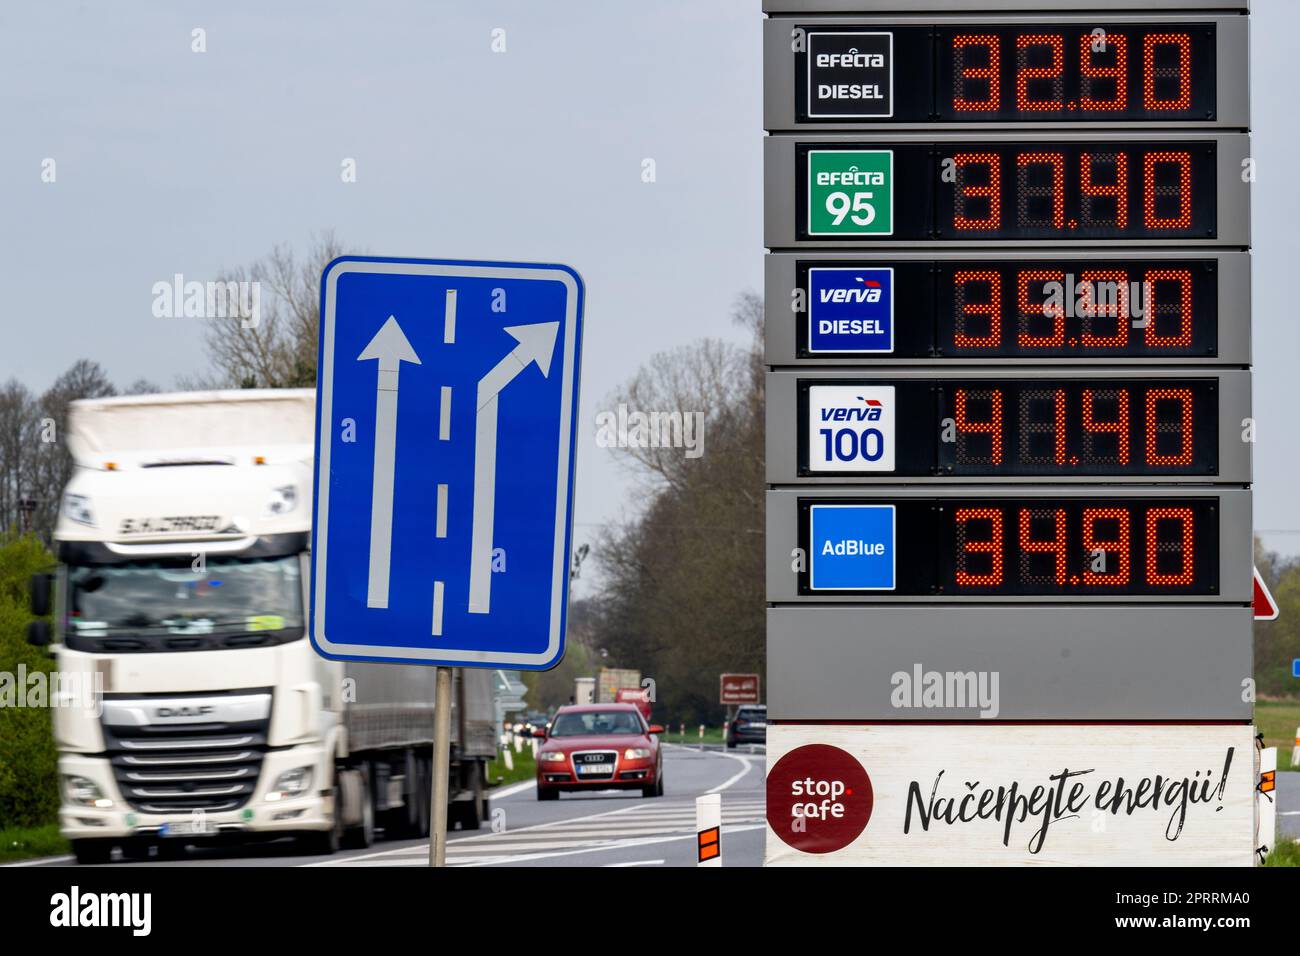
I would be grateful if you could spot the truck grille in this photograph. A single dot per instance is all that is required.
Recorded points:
(178, 768)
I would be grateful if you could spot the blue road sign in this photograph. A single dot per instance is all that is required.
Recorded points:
(442, 524)
(852, 546)
(1295, 667)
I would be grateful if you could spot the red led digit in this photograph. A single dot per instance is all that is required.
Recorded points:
(992, 546)
(1093, 426)
(1093, 74)
(1030, 310)
(1055, 545)
(1096, 547)
(962, 72)
(1182, 336)
(991, 427)
(1182, 427)
(1182, 192)
(1181, 73)
(992, 192)
(1032, 426)
(1025, 43)
(1056, 162)
(1104, 296)
(1092, 192)
(991, 309)
(1183, 547)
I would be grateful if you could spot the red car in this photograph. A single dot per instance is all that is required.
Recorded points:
(600, 747)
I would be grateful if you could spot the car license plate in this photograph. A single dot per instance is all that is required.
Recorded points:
(759, 725)
(596, 768)
(186, 828)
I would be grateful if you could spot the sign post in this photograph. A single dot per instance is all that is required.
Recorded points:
(1008, 348)
(446, 413)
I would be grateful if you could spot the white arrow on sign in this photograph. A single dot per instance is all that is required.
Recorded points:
(391, 348)
(536, 344)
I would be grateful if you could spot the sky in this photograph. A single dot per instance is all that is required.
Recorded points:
(174, 161)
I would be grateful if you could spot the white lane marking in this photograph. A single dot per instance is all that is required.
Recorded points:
(512, 790)
(444, 414)
(437, 608)
(449, 325)
(440, 529)
(638, 863)
(620, 845)
(40, 861)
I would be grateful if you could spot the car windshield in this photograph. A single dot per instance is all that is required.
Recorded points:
(597, 722)
(228, 596)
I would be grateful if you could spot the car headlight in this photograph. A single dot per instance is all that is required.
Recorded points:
(85, 792)
(77, 508)
(550, 756)
(291, 783)
(635, 753)
(282, 501)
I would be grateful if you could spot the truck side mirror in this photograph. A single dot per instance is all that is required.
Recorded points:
(38, 633)
(39, 594)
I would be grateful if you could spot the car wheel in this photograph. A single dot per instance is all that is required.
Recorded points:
(659, 783)
(547, 793)
(92, 851)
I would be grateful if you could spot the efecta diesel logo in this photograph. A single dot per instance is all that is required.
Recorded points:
(850, 310)
(850, 192)
(851, 428)
(819, 798)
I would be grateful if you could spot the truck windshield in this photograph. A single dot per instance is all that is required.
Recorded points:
(166, 605)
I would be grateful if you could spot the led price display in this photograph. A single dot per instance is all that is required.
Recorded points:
(1006, 427)
(1026, 309)
(1084, 191)
(1039, 73)
(1048, 546)
(963, 190)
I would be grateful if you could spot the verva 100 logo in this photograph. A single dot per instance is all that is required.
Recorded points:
(819, 798)
(851, 428)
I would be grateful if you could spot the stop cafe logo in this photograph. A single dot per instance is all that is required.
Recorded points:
(819, 798)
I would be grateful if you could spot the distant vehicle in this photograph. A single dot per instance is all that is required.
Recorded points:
(749, 727)
(638, 698)
(532, 722)
(600, 747)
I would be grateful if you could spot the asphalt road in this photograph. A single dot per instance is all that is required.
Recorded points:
(609, 828)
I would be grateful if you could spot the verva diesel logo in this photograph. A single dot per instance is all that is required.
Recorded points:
(850, 192)
(851, 428)
(819, 798)
(850, 310)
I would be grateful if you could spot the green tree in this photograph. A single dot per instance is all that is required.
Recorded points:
(28, 761)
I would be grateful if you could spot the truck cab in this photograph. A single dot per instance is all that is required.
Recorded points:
(181, 596)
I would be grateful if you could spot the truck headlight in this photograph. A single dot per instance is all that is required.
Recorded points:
(550, 756)
(291, 783)
(282, 501)
(77, 508)
(635, 753)
(85, 792)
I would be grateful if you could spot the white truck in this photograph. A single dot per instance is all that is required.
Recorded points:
(183, 548)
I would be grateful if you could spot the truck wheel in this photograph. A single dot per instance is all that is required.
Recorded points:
(363, 834)
(92, 851)
(467, 813)
(326, 842)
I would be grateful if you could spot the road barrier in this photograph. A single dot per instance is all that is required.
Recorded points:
(1295, 751)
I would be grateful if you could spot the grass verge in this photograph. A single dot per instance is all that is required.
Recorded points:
(22, 843)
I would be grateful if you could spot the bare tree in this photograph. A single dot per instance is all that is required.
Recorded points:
(280, 350)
